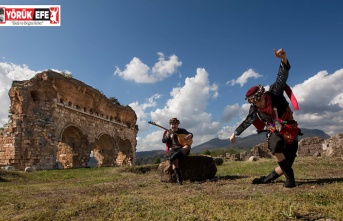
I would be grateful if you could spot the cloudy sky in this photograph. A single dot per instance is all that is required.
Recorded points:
(190, 59)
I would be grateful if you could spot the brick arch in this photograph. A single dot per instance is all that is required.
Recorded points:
(73, 148)
(61, 125)
(67, 126)
(104, 151)
(124, 152)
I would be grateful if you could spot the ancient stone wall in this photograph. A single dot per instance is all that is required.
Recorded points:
(260, 150)
(310, 146)
(333, 146)
(58, 121)
(316, 146)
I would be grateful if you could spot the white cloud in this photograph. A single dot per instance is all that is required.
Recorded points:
(235, 113)
(244, 77)
(152, 141)
(142, 111)
(321, 102)
(139, 72)
(187, 103)
(320, 92)
(230, 112)
(226, 131)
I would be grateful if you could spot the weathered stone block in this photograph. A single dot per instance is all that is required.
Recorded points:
(310, 145)
(334, 146)
(9, 168)
(193, 168)
(28, 169)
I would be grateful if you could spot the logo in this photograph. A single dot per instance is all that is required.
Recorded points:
(30, 15)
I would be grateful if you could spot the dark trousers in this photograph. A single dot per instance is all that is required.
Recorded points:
(277, 145)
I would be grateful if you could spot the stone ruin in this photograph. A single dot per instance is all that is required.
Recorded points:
(57, 122)
(309, 146)
(316, 146)
(260, 150)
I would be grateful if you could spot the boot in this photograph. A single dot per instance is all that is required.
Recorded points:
(178, 176)
(289, 174)
(175, 155)
(266, 179)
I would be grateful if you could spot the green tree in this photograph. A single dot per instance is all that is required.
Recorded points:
(207, 152)
(157, 161)
(114, 100)
(67, 75)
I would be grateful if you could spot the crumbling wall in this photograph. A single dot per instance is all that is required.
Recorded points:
(57, 121)
(333, 146)
(310, 146)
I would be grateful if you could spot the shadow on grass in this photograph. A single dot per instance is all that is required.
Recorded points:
(6, 176)
(217, 178)
(139, 169)
(229, 177)
(318, 181)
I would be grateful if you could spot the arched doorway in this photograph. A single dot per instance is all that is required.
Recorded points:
(125, 153)
(73, 151)
(104, 151)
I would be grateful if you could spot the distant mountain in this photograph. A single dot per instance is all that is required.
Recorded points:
(145, 157)
(313, 133)
(149, 153)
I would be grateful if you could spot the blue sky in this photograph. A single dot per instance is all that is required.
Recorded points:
(191, 59)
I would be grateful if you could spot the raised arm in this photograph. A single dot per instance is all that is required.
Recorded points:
(281, 54)
(279, 86)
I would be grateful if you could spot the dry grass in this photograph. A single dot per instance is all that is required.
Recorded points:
(135, 193)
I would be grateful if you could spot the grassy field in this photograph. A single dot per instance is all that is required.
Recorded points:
(135, 193)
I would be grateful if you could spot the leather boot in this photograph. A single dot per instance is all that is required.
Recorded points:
(266, 179)
(289, 174)
(178, 176)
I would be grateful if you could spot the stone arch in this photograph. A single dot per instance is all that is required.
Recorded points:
(124, 153)
(104, 151)
(73, 149)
